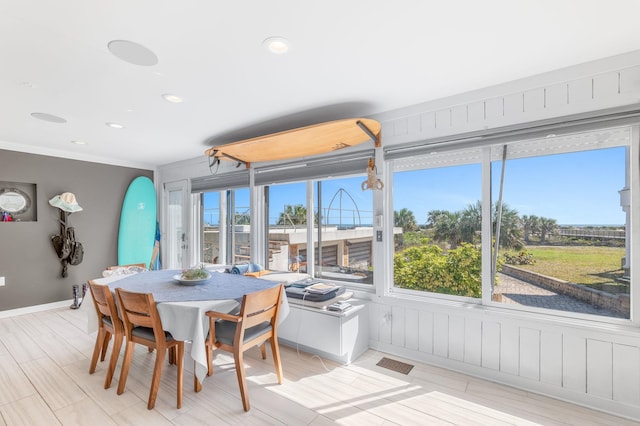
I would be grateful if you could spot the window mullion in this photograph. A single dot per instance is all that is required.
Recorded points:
(486, 237)
(634, 234)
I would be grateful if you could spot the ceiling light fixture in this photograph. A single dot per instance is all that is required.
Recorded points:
(174, 99)
(48, 117)
(276, 45)
(115, 125)
(132, 52)
(79, 142)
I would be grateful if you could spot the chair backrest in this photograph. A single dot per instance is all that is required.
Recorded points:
(261, 306)
(139, 310)
(104, 303)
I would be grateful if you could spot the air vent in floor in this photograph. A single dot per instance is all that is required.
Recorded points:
(394, 365)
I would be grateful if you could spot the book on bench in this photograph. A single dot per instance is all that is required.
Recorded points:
(321, 288)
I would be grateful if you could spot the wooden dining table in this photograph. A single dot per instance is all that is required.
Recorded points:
(182, 307)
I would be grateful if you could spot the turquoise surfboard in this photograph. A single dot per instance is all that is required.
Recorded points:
(137, 232)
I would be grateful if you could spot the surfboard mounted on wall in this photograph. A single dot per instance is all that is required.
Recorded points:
(137, 232)
(301, 142)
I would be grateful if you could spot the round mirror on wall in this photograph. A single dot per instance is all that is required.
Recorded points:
(14, 201)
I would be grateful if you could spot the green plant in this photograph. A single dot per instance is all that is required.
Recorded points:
(195, 273)
(429, 268)
(520, 258)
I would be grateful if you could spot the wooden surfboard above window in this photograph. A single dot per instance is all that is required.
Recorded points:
(301, 142)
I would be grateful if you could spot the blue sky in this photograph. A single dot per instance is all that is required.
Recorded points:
(578, 188)
(355, 204)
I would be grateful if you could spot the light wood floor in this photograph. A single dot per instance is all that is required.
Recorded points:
(44, 380)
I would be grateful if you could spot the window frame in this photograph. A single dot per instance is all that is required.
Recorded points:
(312, 231)
(489, 150)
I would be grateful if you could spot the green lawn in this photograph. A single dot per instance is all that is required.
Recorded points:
(588, 265)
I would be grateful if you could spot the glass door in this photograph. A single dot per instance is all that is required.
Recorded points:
(175, 238)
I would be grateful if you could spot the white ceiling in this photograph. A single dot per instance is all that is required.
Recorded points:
(347, 58)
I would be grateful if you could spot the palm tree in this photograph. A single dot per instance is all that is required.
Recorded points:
(432, 216)
(405, 219)
(547, 226)
(464, 226)
(510, 228)
(471, 222)
(530, 225)
(243, 218)
(293, 214)
(447, 228)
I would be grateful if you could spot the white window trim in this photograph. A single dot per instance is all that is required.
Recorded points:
(545, 146)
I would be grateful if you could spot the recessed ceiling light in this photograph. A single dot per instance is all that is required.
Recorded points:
(277, 45)
(175, 99)
(28, 84)
(133, 53)
(48, 117)
(115, 125)
(79, 142)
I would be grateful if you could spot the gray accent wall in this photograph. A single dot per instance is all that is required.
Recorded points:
(27, 260)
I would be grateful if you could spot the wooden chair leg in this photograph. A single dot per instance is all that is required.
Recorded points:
(157, 373)
(172, 355)
(263, 350)
(105, 345)
(96, 350)
(241, 380)
(275, 352)
(209, 360)
(180, 365)
(126, 363)
(115, 354)
(197, 386)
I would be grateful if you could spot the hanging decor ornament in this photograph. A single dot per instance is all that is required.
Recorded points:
(69, 251)
(66, 202)
(372, 181)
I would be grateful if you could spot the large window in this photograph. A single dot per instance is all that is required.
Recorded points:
(226, 226)
(344, 238)
(437, 224)
(342, 231)
(562, 239)
(287, 226)
(557, 211)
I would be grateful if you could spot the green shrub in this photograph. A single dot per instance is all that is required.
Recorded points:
(429, 268)
(521, 258)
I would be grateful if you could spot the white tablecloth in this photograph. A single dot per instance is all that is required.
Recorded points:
(184, 320)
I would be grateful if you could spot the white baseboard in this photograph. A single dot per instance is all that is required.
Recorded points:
(36, 308)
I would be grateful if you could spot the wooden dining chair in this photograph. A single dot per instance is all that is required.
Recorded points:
(142, 325)
(109, 324)
(256, 323)
(139, 265)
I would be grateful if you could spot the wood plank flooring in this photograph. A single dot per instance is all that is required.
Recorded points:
(44, 380)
